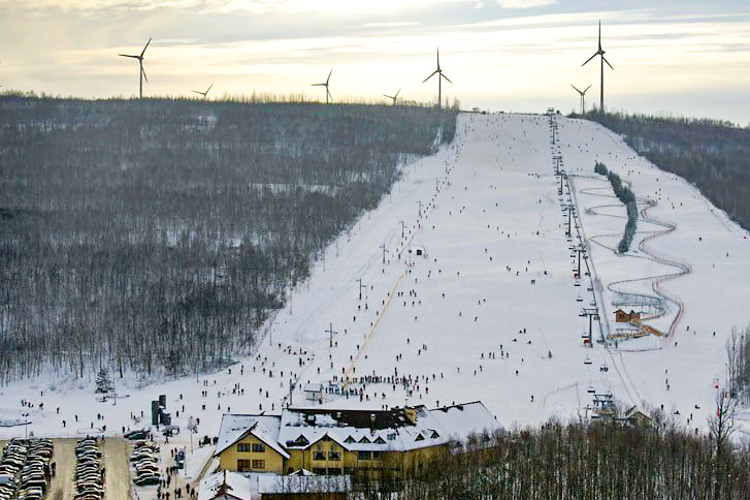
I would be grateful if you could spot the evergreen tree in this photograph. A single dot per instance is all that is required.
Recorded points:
(103, 383)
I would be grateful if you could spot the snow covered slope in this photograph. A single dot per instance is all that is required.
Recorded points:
(490, 311)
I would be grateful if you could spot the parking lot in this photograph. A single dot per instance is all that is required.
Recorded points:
(114, 459)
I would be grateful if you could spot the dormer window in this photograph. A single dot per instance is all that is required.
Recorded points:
(420, 437)
(380, 440)
(349, 440)
(364, 440)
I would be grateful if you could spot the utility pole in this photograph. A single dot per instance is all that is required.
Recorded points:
(331, 333)
(361, 286)
(402, 228)
(384, 251)
(420, 207)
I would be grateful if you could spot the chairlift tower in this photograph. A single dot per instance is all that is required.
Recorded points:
(592, 314)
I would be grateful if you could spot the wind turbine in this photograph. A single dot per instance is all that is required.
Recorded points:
(440, 74)
(600, 52)
(393, 96)
(328, 94)
(583, 97)
(204, 94)
(140, 63)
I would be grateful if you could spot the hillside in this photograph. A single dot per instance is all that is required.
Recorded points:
(491, 310)
(158, 236)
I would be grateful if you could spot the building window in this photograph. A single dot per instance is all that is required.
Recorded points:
(258, 448)
(334, 472)
(243, 465)
(319, 471)
(334, 455)
(319, 455)
(259, 464)
(364, 455)
(243, 447)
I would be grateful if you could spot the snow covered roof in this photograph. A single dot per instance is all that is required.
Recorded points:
(431, 428)
(250, 486)
(304, 484)
(313, 387)
(235, 427)
(460, 421)
(226, 483)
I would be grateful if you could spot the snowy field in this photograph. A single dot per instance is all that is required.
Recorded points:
(491, 312)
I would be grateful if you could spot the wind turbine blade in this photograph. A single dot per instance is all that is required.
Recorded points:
(587, 89)
(329, 94)
(431, 75)
(127, 55)
(143, 70)
(388, 96)
(590, 58)
(397, 93)
(329, 76)
(201, 93)
(144, 48)
(208, 89)
(600, 35)
(605, 60)
(438, 58)
(575, 88)
(449, 80)
(317, 84)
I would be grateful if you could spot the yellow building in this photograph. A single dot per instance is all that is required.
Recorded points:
(249, 443)
(335, 442)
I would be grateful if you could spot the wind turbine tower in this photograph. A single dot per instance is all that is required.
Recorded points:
(142, 73)
(328, 94)
(204, 94)
(583, 97)
(440, 74)
(394, 97)
(600, 52)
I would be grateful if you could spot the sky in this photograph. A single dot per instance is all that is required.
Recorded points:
(670, 57)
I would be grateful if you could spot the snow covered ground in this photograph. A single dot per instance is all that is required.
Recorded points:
(490, 313)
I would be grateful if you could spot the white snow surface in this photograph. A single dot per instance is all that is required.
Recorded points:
(490, 223)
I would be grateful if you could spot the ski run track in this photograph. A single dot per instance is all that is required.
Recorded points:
(493, 311)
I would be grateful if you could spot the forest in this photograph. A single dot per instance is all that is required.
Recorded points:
(604, 460)
(713, 155)
(159, 235)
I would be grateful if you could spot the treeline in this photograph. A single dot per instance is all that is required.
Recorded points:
(626, 196)
(158, 235)
(738, 353)
(711, 154)
(601, 461)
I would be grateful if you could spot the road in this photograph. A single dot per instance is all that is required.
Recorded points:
(117, 469)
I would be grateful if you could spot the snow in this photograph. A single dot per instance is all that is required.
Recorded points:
(466, 323)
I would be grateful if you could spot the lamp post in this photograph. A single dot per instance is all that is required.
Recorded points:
(26, 424)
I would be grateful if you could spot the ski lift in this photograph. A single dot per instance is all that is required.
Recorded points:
(579, 298)
(577, 283)
(604, 368)
(587, 360)
(591, 389)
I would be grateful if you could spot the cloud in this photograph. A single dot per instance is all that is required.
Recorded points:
(524, 4)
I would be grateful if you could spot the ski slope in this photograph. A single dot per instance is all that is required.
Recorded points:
(491, 313)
